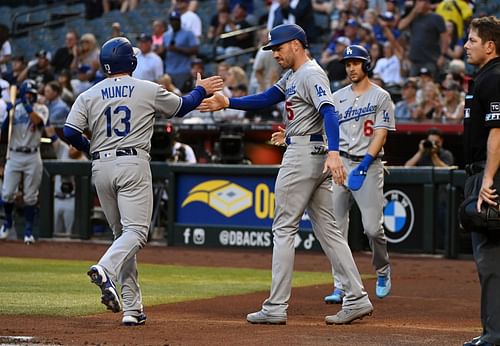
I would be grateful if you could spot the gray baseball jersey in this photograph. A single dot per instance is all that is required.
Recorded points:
(119, 111)
(301, 184)
(359, 117)
(25, 155)
(306, 91)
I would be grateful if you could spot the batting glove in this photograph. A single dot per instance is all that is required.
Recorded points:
(358, 174)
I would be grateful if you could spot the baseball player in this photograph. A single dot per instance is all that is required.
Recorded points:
(24, 158)
(304, 179)
(119, 112)
(366, 114)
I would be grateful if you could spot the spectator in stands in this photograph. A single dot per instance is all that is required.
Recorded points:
(5, 49)
(351, 30)
(303, 16)
(218, 20)
(455, 46)
(236, 76)
(159, 28)
(87, 54)
(376, 52)
(116, 30)
(5, 94)
(389, 67)
(456, 72)
(430, 106)
(330, 60)
(431, 152)
(197, 66)
(365, 34)
(223, 72)
(81, 83)
(180, 46)
(15, 75)
(149, 64)
(123, 5)
(456, 11)
(41, 71)
(428, 43)
(236, 44)
(393, 7)
(189, 20)
(64, 56)
(166, 81)
(453, 102)
(67, 95)
(265, 69)
(58, 109)
(406, 108)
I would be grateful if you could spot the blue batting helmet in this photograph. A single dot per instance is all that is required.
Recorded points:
(118, 56)
(284, 33)
(357, 52)
(28, 87)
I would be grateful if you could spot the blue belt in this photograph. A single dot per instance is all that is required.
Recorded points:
(96, 155)
(316, 137)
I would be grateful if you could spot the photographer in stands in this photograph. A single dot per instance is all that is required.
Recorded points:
(430, 151)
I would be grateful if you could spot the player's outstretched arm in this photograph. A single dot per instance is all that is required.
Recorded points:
(215, 103)
(210, 84)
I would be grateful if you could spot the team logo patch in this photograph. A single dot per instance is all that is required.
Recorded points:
(495, 107)
(348, 51)
(399, 216)
(467, 113)
(319, 90)
(222, 195)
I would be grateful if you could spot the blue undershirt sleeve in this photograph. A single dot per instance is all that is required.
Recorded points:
(331, 122)
(258, 101)
(76, 139)
(191, 101)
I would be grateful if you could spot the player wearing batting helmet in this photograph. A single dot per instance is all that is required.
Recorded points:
(305, 177)
(366, 114)
(120, 112)
(24, 159)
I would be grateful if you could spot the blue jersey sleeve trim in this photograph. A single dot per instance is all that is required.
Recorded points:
(265, 99)
(331, 122)
(76, 139)
(191, 101)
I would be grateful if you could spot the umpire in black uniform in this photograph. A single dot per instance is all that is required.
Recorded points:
(482, 158)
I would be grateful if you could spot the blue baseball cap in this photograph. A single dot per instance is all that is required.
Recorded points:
(176, 15)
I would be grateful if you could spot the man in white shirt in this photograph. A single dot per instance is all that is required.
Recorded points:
(389, 67)
(149, 64)
(189, 19)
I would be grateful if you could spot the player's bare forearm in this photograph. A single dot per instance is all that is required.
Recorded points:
(210, 84)
(378, 141)
(215, 103)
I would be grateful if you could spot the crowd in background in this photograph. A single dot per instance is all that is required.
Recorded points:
(416, 48)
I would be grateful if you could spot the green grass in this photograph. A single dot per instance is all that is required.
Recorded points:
(61, 287)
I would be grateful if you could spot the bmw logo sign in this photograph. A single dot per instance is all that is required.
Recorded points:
(399, 216)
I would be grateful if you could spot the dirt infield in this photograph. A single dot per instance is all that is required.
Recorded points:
(434, 302)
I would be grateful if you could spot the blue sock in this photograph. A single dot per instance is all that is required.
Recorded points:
(29, 216)
(8, 208)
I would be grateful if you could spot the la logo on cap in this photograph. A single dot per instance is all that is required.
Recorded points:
(348, 51)
(269, 36)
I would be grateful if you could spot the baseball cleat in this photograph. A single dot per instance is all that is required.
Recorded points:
(134, 320)
(336, 297)
(383, 286)
(108, 289)
(29, 239)
(4, 231)
(346, 315)
(260, 317)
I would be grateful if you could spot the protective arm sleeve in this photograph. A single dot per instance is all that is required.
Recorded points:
(191, 101)
(76, 139)
(331, 122)
(258, 101)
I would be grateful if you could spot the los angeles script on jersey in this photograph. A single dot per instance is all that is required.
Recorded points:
(117, 91)
(356, 113)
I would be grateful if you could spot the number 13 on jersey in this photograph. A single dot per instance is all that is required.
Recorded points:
(121, 129)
